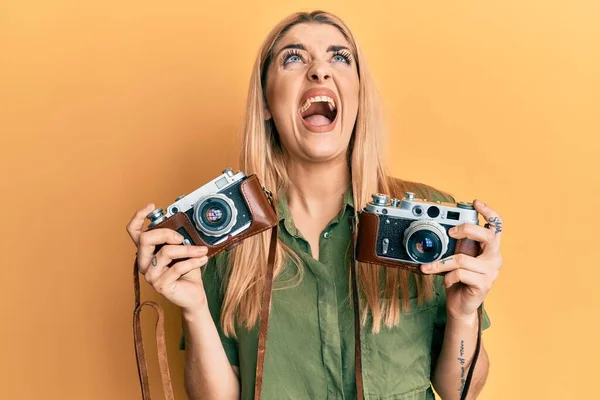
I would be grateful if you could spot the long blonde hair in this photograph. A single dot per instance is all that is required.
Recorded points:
(262, 155)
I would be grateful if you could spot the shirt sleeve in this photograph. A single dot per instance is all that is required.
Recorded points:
(212, 279)
(439, 325)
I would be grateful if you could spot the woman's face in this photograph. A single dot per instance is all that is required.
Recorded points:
(312, 92)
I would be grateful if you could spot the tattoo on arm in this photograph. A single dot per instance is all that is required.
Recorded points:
(462, 361)
(446, 260)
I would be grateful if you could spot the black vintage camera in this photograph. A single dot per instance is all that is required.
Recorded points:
(409, 232)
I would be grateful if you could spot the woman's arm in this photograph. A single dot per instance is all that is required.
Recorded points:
(458, 349)
(208, 373)
(467, 280)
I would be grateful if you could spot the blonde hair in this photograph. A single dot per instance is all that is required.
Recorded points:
(262, 154)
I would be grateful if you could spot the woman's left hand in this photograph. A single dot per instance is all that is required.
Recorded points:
(469, 279)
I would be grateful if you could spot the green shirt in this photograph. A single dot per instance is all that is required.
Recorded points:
(310, 342)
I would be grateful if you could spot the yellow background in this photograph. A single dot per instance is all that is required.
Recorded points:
(108, 105)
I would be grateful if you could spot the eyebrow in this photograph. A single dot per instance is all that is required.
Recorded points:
(300, 46)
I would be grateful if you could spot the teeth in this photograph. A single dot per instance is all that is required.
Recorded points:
(318, 99)
(307, 104)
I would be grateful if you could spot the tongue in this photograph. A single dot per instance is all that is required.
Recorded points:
(318, 120)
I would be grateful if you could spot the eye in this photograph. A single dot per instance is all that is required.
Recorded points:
(342, 56)
(291, 57)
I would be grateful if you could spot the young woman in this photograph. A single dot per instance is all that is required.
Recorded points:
(313, 135)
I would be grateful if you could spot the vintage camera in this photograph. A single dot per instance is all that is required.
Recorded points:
(409, 232)
(219, 214)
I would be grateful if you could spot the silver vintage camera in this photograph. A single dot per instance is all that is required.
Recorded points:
(413, 231)
(217, 210)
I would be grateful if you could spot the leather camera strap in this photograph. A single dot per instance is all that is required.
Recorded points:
(265, 309)
(160, 343)
(357, 329)
(160, 331)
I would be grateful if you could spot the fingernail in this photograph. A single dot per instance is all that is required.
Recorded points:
(480, 203)
(452, 230)
(426, 267)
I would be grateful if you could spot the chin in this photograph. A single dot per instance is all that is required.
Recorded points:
(319, 154)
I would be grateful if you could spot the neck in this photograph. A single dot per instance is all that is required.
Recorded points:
(317, 189)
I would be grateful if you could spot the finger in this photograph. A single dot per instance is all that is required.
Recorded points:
(169, 277)
(174, 252)
(477, 282)
(491, 216)
(160, 262)
(154, 270)
(456, 261)
(474, 232)
(148, 242)
(134, 227)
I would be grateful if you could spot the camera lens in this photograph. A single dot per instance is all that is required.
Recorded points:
(215, 215)
(425, 241)
(424, 246)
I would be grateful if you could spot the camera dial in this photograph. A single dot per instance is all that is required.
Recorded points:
(465, 205)
(380, 199)
(425, 241)
(156, 217)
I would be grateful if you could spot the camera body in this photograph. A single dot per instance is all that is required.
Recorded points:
(409, 232)
(219, 214)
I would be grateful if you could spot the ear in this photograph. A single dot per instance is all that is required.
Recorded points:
(268, 115)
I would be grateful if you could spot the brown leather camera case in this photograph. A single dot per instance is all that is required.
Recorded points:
(263, 218)
(368, 226)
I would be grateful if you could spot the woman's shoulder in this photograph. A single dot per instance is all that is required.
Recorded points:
(421, 190)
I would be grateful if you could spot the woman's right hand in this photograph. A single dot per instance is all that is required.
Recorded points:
(181, 283)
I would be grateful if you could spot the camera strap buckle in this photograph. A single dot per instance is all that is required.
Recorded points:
(269, 194)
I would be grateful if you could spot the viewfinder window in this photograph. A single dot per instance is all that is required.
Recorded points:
(221, 183)
(453, 215)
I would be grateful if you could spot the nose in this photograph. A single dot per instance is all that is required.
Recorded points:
(319, 72)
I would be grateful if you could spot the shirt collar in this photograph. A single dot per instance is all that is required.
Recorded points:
(284, 212)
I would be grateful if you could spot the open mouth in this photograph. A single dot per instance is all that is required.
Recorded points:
(319, 112)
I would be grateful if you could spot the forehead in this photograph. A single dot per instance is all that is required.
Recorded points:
(316, 36)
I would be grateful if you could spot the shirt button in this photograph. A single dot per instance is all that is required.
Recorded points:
(326, 235)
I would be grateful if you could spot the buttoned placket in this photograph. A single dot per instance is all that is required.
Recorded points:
(327, 305)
